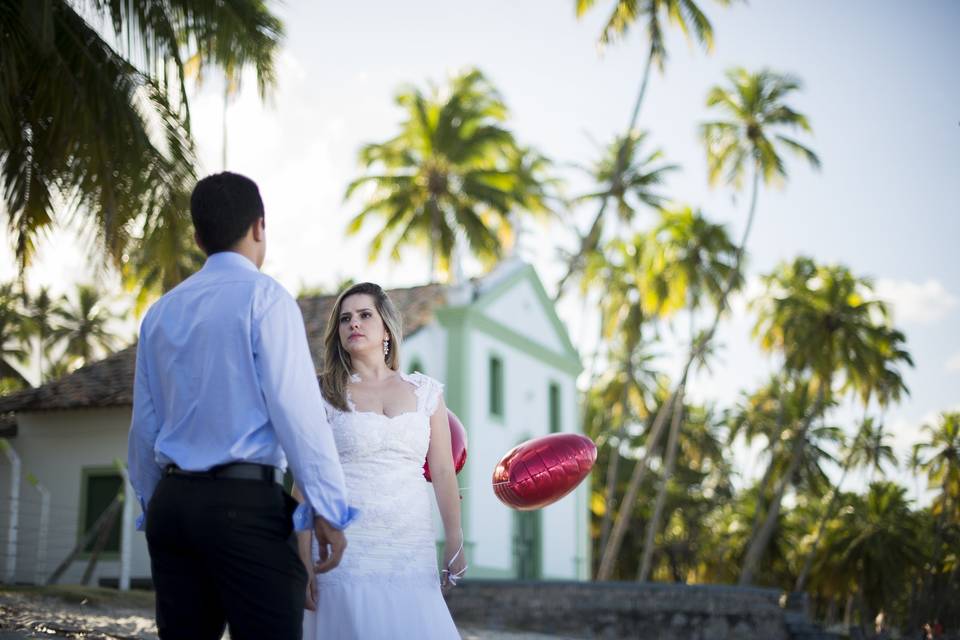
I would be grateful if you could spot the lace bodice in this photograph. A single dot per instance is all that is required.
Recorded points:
(364, 435)
(382, 457)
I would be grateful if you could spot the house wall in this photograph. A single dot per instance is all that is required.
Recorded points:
(56, 447)
(489, 523)
(428, 347)
(520, 309)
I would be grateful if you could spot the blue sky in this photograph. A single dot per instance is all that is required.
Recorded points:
(880, 88)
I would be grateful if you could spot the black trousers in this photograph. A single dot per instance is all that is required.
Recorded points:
(222, 551)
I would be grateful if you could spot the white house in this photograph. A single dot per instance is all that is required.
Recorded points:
(497, 344)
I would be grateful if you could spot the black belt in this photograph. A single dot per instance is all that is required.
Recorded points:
(233, 471)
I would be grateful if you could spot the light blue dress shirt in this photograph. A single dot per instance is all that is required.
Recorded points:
(224, 375)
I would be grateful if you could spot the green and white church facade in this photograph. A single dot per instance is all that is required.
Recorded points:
(510, 372)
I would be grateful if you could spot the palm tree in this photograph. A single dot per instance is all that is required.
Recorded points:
(760, 110)
(693, 259)
(618, 403)
(453, 168)
(694, 466)
(95, 125)
(878, 542)
(82, 325)
(763, 414)
(14, 339)
(822, 320)
(629, 176)
(684, 14)
(940, 460)
(633, 382)
(877, 450)
(869, 450)
(40, 311)
(165, 255)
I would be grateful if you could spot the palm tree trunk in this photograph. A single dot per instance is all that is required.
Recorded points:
(434, 237)
(821, 527)
(226, 98)
(762, 539)
(671, 456)
(759, 543)
(768, 473)
(592, 239)
(40, 358)
(654, 523)
(612, 548)
(612, 468)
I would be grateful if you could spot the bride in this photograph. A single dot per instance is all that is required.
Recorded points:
(385, 423)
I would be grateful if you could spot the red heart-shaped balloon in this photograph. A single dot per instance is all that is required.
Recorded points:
(539, 472)
(458, 445)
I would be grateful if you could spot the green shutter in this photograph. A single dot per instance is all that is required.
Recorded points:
(496, 386)
(555, 425)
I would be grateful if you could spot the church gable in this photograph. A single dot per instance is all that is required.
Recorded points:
(519, 304)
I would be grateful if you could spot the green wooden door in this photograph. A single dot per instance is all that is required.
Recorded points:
(526, 545)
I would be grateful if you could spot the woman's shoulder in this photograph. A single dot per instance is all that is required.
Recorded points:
(428, 390)
(422, 380)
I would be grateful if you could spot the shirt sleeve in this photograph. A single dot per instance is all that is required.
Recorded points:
(144, 471)
(295, 407)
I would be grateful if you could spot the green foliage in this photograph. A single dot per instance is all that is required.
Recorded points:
(685, 14)
(95, 124)
(454, 168)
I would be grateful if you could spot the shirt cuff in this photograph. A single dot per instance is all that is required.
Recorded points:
(303, 518)
(142, 518)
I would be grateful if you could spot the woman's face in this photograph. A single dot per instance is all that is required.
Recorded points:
(361, 327)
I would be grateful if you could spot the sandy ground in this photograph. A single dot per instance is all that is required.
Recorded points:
(105, 614)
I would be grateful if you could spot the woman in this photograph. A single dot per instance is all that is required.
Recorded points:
(385, 423)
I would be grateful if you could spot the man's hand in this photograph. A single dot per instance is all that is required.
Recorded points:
(332, 543)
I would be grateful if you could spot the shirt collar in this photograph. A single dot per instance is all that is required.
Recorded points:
(229, 259)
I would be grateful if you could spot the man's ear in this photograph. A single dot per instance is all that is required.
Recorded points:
(259, 226)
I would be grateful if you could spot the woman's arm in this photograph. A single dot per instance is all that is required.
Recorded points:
(444, 478)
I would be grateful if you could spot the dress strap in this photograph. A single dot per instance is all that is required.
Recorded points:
(427, 390)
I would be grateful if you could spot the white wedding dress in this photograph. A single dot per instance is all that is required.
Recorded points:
(387, 584)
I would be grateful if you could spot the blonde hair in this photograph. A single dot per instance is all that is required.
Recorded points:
(337, 365)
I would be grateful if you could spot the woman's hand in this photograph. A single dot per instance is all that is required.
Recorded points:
(454, 564)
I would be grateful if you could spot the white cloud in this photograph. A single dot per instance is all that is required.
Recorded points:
(917, 303)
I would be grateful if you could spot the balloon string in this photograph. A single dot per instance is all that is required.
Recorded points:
(495, 484)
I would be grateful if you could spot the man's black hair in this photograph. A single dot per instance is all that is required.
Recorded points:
(223, 206)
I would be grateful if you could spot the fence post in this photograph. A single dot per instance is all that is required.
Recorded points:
(42, 533)
(11, 560)
(126, 528)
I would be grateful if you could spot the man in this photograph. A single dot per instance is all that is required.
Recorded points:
(224, 387)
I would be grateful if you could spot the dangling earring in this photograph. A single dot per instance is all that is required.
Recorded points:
(386, 347)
